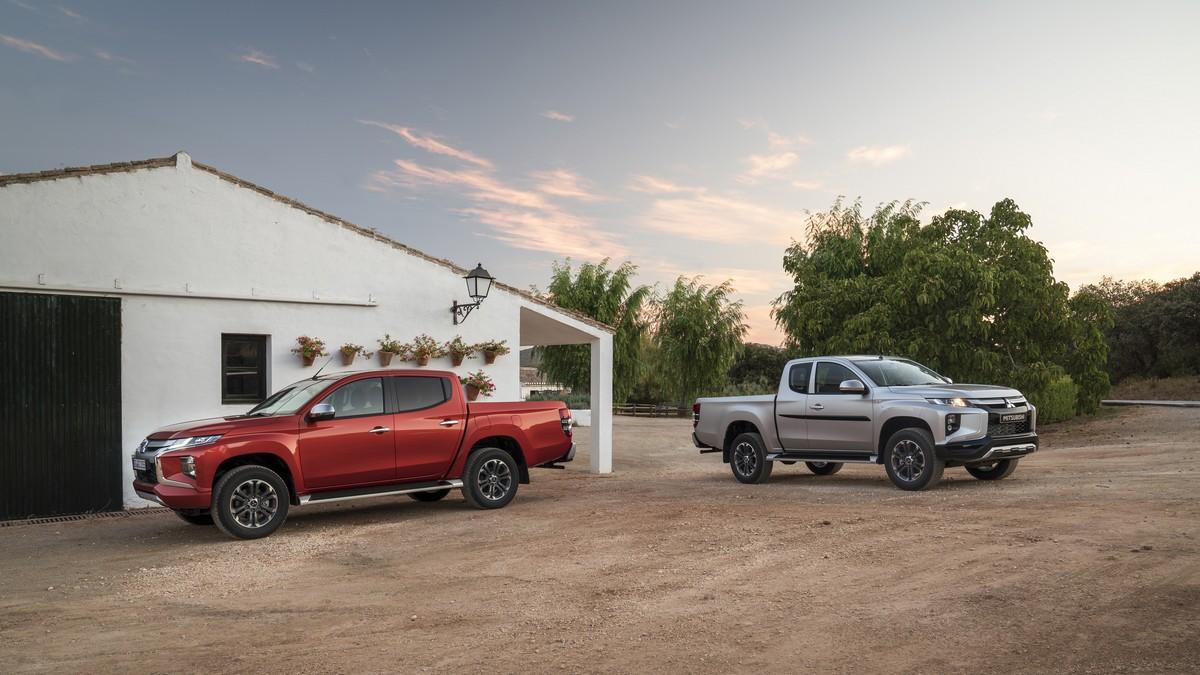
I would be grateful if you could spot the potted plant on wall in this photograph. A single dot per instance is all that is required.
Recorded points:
(424, 348)
(491, 349)
(310, 348)
(458, 350)
(351, 350)
(389, 348)
(478, 383)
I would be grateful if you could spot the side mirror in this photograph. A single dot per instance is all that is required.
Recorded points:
(948, 380)
(321, 411)
(852, 387)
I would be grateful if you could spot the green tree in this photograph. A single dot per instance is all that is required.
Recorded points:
(970, 295)
(608, 296)
(698, 335)
(1155, 330)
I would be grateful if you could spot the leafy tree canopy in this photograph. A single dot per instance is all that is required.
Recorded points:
(1156, 328)
(609, 296)
(970, 295)
(697, 337)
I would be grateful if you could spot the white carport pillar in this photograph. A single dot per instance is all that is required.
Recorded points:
(602, 381)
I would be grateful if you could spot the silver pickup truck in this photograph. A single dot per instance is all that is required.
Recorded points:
(831, 410)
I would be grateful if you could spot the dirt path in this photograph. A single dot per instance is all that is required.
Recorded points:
(1086, 560)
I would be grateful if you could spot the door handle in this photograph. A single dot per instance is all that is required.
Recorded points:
(379, 430)
(447, 423)
(817, 406)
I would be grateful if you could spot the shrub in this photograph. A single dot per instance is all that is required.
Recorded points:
(1056, 401)
(574, 400)
(387, 344)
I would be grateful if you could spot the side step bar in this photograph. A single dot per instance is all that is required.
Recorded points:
(818, 456)
(380, 491)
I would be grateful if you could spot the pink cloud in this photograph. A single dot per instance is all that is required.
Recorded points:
(708, 216)
(34, 48)
(558, 116)
(258, 58)
(564, 183)
(430, 143)
(877, 155)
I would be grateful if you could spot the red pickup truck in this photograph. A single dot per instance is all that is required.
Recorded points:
(347, 436)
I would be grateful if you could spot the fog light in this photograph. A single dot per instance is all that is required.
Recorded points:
(188, 466)
(952, 423)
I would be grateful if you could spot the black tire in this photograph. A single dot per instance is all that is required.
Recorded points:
(490, 479)
(250, 502)
(748, 459)
(997, 470)
(195, 517)
(911, 461)
(429, 496)
(824, 468)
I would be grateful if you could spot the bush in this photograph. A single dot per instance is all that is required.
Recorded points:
(1056, 401)
(574, 401)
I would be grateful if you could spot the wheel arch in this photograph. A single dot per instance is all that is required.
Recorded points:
(269, 460)
(736, 428)
(509, 445)
(895, 424)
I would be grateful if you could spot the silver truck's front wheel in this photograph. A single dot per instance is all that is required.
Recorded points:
(910, 460)
(748, 458)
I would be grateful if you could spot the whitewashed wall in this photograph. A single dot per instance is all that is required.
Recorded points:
(183, 230)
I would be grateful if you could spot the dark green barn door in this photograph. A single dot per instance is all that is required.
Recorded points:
(60, 405)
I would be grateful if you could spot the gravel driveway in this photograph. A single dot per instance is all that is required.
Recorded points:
(1085, 560)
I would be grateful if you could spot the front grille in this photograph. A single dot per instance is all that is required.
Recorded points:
(147, 476)
(998, 428)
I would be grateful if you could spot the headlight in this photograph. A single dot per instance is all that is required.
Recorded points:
(956, 402)
(191, 442)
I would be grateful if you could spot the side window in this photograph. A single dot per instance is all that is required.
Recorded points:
(359, 398)
(798, 377)
(243, 368)
(417, 393)
(830, 376)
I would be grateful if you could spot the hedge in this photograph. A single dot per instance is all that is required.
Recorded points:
(1056, 402)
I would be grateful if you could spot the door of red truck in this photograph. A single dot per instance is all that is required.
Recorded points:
(430, 419)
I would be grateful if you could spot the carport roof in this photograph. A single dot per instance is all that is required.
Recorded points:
(161, 162)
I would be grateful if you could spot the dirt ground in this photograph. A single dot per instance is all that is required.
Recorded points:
(1085, 560)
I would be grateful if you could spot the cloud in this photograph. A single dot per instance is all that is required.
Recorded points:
(767, 166)
(306, 67)
(653, 185)
(35, 48)
(72, 14)
(564, 183)
(430, 143)
(808, 184)
(877, 155)
(697, 213)
(557, 116)
(111, 58)
(258, 58)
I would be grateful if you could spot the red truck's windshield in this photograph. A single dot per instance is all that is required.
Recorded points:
(290, 399)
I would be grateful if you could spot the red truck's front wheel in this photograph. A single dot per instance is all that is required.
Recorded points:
(490, 479)
(250, 502)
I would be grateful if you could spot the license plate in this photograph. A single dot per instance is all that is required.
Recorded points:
(1017, 417)
(139, 464)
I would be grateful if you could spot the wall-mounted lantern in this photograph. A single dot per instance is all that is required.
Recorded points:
(479, 284)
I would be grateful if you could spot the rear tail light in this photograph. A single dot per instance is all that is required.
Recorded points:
(695, 415)
(564, 417)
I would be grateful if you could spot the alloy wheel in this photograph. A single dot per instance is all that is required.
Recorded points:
(254, 503)
(494, 479)
(745, 459)
(908, 460)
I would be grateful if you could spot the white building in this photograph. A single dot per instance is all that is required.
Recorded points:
(180, 290)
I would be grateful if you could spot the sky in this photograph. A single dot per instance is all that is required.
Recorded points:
(687, 137)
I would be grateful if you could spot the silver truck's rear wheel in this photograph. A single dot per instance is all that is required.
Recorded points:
(748, 459)
(996, 470)
(910, 460)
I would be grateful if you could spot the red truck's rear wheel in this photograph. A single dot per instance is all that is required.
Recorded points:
(490, 479)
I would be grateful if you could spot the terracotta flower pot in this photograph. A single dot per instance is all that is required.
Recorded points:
(456, 358)
(308, 359)
(472, 392)
(385, 358)
(489, 357)
(347, 359)
(422, 360)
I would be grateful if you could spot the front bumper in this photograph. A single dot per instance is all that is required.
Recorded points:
(988, 448)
